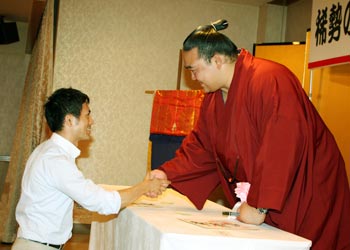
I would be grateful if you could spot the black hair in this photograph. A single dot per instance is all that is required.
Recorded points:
(209, 41)
(62, 102)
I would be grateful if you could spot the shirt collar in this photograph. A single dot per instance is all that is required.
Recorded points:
(69, 147)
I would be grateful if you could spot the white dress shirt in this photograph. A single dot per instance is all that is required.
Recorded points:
(51, 182)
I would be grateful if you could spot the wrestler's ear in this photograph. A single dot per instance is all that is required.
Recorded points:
(218, 60)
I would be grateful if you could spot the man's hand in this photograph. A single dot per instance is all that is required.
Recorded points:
(151, 187)
(160, 176)
(250, 215)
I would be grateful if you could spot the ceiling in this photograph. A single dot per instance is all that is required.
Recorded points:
(31, 11)
(21, 10)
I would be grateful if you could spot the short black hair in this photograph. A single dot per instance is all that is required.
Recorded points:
(209, 41)
(62, 102)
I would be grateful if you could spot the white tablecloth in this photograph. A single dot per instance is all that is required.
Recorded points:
(171, 222)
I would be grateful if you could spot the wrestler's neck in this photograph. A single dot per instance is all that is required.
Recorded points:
(228, 73)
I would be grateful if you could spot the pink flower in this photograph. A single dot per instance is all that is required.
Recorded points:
(242, 190)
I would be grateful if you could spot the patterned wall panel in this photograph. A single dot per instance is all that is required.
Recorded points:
(13, 68)
(114, 51)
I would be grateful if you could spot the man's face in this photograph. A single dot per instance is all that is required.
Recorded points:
(82, 126)
(202, 71)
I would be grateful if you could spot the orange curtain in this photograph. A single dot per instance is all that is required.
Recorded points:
(30, 129)
(175, 112)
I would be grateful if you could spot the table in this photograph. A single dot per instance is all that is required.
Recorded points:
(171, 222)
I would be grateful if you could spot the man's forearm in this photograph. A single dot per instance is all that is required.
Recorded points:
(131, 194)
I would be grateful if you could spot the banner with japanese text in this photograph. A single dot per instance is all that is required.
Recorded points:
(330, 33)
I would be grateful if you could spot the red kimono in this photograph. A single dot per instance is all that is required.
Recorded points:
(269, 134)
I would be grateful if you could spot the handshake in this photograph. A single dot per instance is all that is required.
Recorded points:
(156, 182)
(153, 185)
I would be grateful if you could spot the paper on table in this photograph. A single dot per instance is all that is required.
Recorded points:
(218, 224)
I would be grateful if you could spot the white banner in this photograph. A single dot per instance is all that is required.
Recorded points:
(330, 33)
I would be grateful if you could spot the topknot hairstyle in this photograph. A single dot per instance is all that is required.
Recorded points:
(210, 42)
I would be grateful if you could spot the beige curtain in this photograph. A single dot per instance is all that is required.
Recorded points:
(31, 128)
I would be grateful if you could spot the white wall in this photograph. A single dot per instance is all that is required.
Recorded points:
(272, 23)
(298, 20)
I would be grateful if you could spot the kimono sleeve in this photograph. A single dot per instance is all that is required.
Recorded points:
(280, 115)
(193, 170)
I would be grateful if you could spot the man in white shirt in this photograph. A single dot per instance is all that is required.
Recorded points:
(52, 182)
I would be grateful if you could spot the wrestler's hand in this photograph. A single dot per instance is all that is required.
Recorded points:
(156, 173)
(250, 215)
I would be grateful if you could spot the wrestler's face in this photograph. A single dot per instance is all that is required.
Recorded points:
(206, 73)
